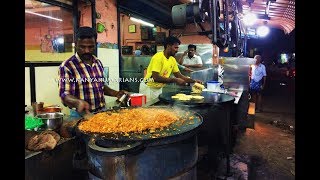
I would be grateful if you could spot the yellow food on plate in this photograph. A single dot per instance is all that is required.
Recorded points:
(197, 88)
(184, 98)
(197, 97)
(175, 97)
(180, 94)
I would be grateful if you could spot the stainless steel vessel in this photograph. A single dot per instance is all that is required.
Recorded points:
(158, 160)
(170, 153)
(52, 121)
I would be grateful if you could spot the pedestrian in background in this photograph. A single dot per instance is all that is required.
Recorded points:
(257, 78)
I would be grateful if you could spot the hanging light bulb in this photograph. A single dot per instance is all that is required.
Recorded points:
(249, 19)
(263, 30)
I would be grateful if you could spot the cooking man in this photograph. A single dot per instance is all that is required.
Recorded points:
(81, 80)
(160, 68)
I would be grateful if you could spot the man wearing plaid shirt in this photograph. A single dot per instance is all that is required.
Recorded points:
(81, 80)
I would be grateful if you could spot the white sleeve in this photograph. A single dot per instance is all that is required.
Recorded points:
(185, 61)
(199, 61)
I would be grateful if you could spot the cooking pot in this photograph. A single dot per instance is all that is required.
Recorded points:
(52, 121)
(191, 122)
(167, 153)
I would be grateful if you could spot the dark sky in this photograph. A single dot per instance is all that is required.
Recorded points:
(275, 43)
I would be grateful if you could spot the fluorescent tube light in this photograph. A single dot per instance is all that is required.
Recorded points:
(141, 21)
(249, 19)
(49, 17)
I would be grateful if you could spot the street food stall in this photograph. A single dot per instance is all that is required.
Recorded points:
(125, 47)
(170, 151)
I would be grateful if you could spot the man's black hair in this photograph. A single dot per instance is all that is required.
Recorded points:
(192, 46)
(170, 41)
(86, 32)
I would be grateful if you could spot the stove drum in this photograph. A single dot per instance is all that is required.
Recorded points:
(172, 158)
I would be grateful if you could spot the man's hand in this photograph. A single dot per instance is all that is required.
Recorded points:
(73, 102)
(83, 106)
(185, 52)
(180, 81)
(198, 81)
(121, 92)
(180, 60)
(188, 69)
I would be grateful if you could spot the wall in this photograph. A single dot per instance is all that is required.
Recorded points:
(27, 90)
(40, 33)
(37, 55)
(108, 11)
(110, 59)
(189, 34)
(133, 39)
(45, 78)
(85, 14)
(129, 39)
(36, 30)
(46, 87)
(195, 39)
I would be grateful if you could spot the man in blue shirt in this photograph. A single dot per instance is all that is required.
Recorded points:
(258, 77)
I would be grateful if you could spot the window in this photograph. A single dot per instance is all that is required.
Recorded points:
(48, 32)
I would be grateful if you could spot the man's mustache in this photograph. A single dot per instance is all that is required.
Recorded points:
(86, 56)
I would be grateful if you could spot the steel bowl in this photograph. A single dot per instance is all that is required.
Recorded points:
(52, 121)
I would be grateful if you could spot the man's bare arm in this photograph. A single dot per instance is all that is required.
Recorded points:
(110, 92)
(180, 60)
(73, 102)
(181, 76)
(193, 65)
(157, 78)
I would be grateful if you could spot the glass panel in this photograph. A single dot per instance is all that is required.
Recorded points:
(48, 32)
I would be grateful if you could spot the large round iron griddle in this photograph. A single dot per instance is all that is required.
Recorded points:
(177, 128)
(210, 98)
